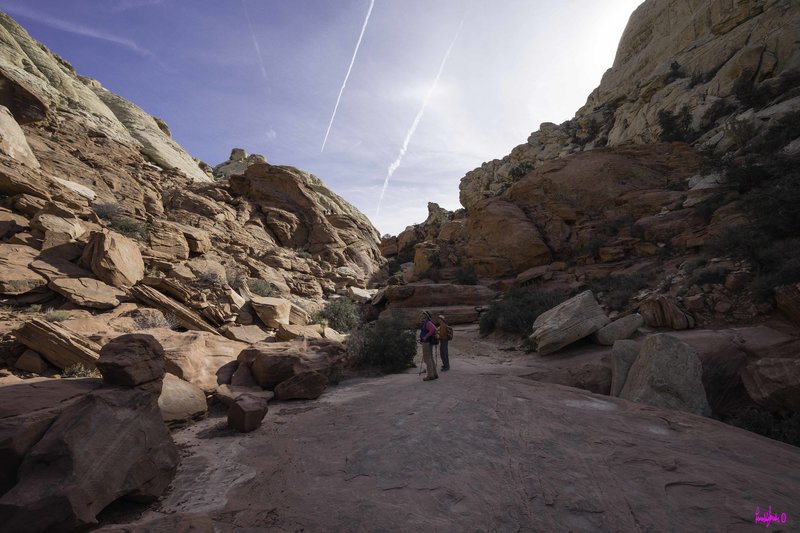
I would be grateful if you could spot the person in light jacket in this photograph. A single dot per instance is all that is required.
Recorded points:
(427, 334)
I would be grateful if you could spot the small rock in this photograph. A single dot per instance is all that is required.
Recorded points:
(31, 361)
(246, 413)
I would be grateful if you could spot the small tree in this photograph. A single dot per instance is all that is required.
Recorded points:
(341, 314)
(385, 344)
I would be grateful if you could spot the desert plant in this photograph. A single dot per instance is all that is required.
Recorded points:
(156, 320)
(130, 227)
(518, 309)
(385, 344)
(676, 126)
(261, 287)
(106, 210)
(340, 313)
(34, 308)
(53, 315)
(305, 254)
(521, 170)
(618, 290)
(236, 276)
(79, 370)
(210, 277)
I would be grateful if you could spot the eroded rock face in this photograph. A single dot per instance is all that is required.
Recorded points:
(667, 373)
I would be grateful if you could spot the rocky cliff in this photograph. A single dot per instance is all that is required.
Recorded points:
(692, 133)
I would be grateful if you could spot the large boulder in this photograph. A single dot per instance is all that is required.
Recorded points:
(302, 386)
(15, 275)
(273, 363)
(272, 311)
(62, 348)
(87, 292)
(570, 321)
(133, 360)
(181, 401)
(13, 142)
(774, 382)
(110, 444)
(623, 354)
(114, 259)
(287, 332)
(622, 328)
(667, 373)
(663, 312)
(196, 356)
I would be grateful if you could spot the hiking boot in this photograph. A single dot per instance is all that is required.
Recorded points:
(445, 368)
(429, 378)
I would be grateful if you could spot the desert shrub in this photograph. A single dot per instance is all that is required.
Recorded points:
(676, 126)
(518, 309)
(106, 210)
(236, 276)
(406, 253)
(341, 314)
(385, 344)
(710, 275)
(130, 227)
(676, 72)
(393, 266)
(709, 206)
(210, 277)
(79, 370)
(618, 290)
(779, 425)
(779, 134)
(33, 308)
(466, 275)
(261, 287)
(719, 109)
(53, 315)
(305, 254)
(749, 95)
(521, 170)
(156, 320)
(434, 259)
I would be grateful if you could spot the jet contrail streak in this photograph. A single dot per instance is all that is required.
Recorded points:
(346, 76)
(255, 41)
(396, 164)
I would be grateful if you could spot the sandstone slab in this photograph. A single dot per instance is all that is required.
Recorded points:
(181, 401)
(15, 275)
(667, 373)
(774, 383)
(272, 311)
(570, 321)
(114, 258)
(61, 347)
(619, 329)
(87, 292)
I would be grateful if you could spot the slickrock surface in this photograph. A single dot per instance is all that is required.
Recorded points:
(478, 449)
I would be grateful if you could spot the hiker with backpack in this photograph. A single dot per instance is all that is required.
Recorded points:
(445, 335)
(428, 337)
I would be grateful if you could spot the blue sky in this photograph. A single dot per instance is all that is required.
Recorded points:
(264, 75)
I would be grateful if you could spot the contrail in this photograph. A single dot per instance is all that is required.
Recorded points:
(346, 76)
(255, 41)
(396, 164)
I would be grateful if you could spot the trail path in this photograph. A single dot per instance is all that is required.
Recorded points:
(480, 449)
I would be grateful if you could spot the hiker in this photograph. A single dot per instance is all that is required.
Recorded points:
(427, 336)
(445, 334)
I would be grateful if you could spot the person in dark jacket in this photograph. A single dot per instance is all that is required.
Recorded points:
(427, 334)
(443, 340)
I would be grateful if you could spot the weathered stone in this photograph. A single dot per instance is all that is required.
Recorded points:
(360, 295)
(302, 386)
(15, 276)
(246, 334)
(774, 383)
(298, 315)
(619, 329)
(114, 259)
(182, 314)
(44, 222)
(568, 322)
(167, 240)
(133, 360)
(667, 373)
(196, 356)
(274, 363)
(61, 347)
(181, 401)
(54, 267)
(31, 361)
(623, 354)
(663, 312)
(246, 412)
(272, 311)
(287, 332)
(13, 142)
(109, 444)
(87, 292)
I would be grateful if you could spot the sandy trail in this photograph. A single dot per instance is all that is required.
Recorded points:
(480, 449)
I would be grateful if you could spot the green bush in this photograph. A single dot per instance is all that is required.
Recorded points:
(78, 370)
(521, 170)
(385, 344)
(341, 314)
(130, 227)
(618, 290)
(518, 309)
(56, 316)
(676, 127)
(779, 425)
(261, 287)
